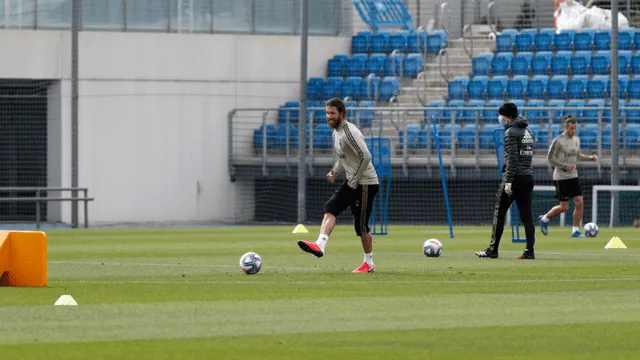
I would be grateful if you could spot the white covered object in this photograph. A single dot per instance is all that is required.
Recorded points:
(572, 15)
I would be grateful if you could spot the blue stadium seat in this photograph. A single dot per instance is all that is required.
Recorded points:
(367, 116)
(577, 103)
(393, 64)
(370, 89)
(426, 137)
(545, 39)
(311, 112)
(561, 63)
(535, 129)
(320, 115)
(258, 136)
(525, 40)
(580, 63)
(521, 64)
(589, 136)
(625, 38)
(597, 87)
(601, 62)
(497, 87)
(541, 63)
(634, 88)
(633, 115)
(556, 115)
(623, 87)
(351, 87)
(314, 88)
(413, 65)
(413, 136)
(447, 134)
(332, 88)
(519, 103)
(606, 116)
(361, 42)
(375, 64)
(280, 137)
(501, 64)
(467, 137)
(486, 136)
(564, 40)
(459, 112)
(593, 111)
(602, 40)
(335, 66)
(635, 63)
(398, 40)
(439, 114)
(482, 64)
(632, 136)
(289, 112)
(606, 136)
(458, 88)
(416, 42)
(437, 40)
(624, 62)
(477, 87)
(505, 41)
(557, 87)
(517, 87)
(322, 137)
(355, 65)
(351, 113)
(389, 87)
(472, 112)
(537, 87)
(577, 87)
(490, 114)
(380, 42)
(584, 39)
(536, 116)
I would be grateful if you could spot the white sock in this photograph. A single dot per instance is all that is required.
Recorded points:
(575, 228)
(545, 218)
(322, 241)
(368, 258)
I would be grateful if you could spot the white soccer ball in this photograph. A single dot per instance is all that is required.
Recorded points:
(432, 248)
(591, 230)
(250, 263)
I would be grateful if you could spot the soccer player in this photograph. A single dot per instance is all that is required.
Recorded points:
(564, 153)
(358, 190)
(517, 181)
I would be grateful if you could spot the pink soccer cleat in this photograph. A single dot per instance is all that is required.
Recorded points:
(310, 247)
(364, 268)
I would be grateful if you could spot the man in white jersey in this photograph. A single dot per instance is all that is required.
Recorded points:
(358, 190)
(564, 153)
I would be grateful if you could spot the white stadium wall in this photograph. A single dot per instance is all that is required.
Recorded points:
(153, 114)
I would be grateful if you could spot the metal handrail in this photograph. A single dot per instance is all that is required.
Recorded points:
(490, 16)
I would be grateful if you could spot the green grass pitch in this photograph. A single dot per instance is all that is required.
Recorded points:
(179, 294)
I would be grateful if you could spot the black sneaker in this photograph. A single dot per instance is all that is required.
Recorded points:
(527, 255)
(488, 253)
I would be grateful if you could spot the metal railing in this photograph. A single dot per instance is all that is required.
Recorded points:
(41, 197)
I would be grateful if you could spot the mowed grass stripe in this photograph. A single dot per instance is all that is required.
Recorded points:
(285, 316)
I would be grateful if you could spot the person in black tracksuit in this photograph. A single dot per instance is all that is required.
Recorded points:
(517, 181)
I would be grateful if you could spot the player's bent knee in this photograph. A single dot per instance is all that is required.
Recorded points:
(564, 206)
(577, 201)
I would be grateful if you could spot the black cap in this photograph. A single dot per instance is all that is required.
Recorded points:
(509, 110)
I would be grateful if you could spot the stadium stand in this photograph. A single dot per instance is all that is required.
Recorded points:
(530, 67)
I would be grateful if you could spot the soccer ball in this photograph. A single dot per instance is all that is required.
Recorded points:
(432, 248)
(250, 263)
(591, 230)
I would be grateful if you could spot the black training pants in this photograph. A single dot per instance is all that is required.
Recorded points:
(522, 193)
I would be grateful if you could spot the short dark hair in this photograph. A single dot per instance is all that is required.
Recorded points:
(509, 110)
(338, 104)
(568, 119)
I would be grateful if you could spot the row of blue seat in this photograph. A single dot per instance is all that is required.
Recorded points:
(362, 64)
(370, 88)
(465, 136)
(289, 113)
(483, 87)
(587, 112)
(561, 63)
(411, 41)
(511, 40)
(283, 136)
